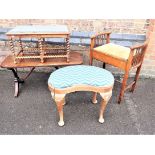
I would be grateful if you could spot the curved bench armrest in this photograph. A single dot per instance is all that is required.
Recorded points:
(100, 39)
(137, 53)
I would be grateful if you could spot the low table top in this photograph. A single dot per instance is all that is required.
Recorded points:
(80, 75)
(75, 59)
(39, 29)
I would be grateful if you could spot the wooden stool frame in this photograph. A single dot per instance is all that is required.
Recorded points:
(59, 96)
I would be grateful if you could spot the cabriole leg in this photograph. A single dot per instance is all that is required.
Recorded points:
(60, 110)
(59, 99)
(94, 100)
(105, 98)
(63, 101)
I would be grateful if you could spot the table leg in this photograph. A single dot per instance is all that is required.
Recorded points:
(29, 73)
(16, 84)
(105, 98)
(18, 80)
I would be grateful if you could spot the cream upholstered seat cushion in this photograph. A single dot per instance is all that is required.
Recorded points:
(113, 50)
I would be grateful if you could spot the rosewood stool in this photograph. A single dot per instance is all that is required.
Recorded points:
(80, 78)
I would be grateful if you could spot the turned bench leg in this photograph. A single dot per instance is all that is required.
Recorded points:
(60, 102)
(121, 95)
(136, 78)
(105, 98)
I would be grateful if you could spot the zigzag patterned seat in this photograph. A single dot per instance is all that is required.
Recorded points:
(80, 78)
(80, 74)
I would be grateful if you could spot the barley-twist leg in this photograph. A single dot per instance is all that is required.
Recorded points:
(12, 49)
(21, 47)
(68, 48)
(40, 40)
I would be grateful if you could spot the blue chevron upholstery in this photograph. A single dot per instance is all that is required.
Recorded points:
(39, 29)
(80, 74)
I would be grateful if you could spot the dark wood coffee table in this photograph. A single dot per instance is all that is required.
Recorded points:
(75, 59)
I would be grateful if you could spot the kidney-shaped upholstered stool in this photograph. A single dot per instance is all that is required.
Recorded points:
(80, 78)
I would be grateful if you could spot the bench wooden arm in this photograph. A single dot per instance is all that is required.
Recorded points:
(100, 39)
(143, 45)
(99, 34)
(137, 53)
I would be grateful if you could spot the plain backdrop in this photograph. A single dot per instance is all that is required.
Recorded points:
(77, 9)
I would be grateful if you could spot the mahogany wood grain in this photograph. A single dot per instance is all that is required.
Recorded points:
(75, 59)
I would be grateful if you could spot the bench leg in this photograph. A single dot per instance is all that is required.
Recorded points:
(121, 95)
(60, 101)
(105, 98)
(136, 78)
